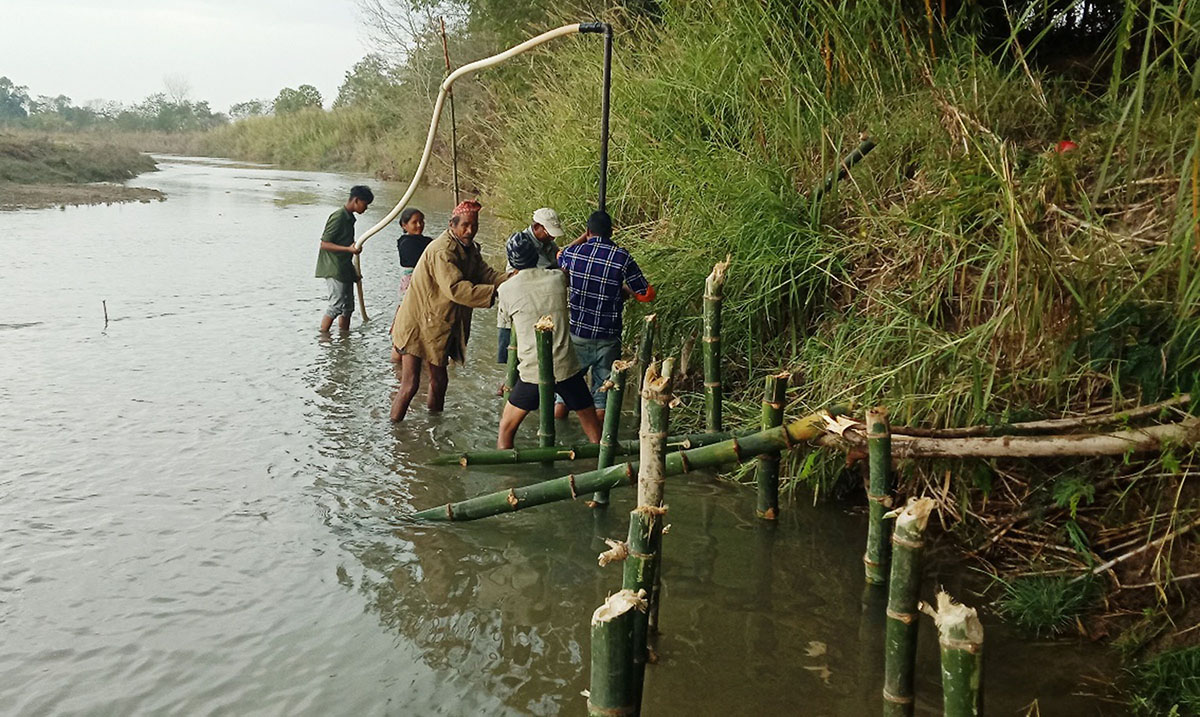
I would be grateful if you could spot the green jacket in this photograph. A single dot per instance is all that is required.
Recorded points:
(339, 229)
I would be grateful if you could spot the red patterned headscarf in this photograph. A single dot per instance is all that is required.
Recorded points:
(469, 206)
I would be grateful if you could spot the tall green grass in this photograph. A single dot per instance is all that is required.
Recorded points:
(963, 272)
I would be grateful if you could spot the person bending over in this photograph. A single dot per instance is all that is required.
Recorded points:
(335, 260)
(542, 232)
(434, 322)
(531, 294)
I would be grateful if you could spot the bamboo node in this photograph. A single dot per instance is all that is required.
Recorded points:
(463, 461)
(450, 511)
(895, 699)
(737, 450)
(972, 647)
(546, 323)
(571, 484)
(711, 339)
(512, 498)
(617, 551)
(905, 617)
(906, 543)
(871, 563)
(684, 463)
(712, 384)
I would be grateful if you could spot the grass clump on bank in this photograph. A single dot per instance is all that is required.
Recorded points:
(30, 159)
(1046, 605)
(1168, 684)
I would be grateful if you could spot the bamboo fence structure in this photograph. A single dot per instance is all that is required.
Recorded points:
(582, 451)
(569, 487)
(767, 475)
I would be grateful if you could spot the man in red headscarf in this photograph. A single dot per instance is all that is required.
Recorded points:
(434, 322)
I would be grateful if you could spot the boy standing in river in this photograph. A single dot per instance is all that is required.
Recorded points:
(335, 260)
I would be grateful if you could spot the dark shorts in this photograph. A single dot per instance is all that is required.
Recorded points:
(574, 393)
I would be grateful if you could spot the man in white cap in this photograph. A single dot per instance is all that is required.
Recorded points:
(542, 233)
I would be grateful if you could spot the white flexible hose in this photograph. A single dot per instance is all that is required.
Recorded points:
(437, 114)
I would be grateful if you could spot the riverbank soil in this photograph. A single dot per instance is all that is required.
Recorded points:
(37, 172)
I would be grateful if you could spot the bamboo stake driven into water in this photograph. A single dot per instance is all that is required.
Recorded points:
(569, 487)
(611, 690)
(644, 356)
(511, 374)
(544, 330)
(900, 643)
(767, 478)
(879, 447)
(652, 466)
(713, 288)
(960, 635)
(609, 447)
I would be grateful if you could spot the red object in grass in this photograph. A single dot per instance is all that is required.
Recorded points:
(1066, 146)
(647, 295)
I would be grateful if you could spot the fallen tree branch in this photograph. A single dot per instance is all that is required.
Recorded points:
(1045, 426)
(1122, 558)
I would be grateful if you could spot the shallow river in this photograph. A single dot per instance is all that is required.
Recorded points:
(202, 504)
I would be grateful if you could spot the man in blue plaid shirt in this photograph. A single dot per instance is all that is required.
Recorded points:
(600, 277)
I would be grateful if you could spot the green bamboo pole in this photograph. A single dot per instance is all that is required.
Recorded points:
(510, 378)
(612, 690)
(879, 447)
(533, 454)
(735, 450)
(644, 356)
(645, 538)
(713, 287)
(544, 329)
(900, 643)
(960, 634)
(612, 423)
(652, 464)
(774, 397)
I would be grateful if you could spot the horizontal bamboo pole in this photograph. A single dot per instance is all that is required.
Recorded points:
(1117, 443)
(569, 487)
(534, 454)
(1050, 425)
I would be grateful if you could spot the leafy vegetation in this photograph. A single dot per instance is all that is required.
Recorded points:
(38, 160)
(1168, 683)
(1046, 605)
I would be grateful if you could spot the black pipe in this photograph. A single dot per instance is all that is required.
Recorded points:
(604, 27)
(843, 169)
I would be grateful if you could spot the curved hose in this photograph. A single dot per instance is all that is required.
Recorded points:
(437, 114)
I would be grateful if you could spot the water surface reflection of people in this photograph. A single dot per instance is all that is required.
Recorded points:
(434, 321)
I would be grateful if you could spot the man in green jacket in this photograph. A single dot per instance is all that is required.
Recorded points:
(335, 261)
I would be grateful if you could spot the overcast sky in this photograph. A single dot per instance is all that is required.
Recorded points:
(227, 50)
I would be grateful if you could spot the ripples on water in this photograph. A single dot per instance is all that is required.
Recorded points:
(204, 504)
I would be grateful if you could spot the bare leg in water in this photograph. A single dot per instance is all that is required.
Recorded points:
(410, 366)
(439, 380)
(512, 416)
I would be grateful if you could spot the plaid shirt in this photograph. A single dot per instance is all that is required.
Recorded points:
(596, 270)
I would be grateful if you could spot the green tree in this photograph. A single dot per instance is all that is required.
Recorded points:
(14, 99)
(293, 100)
(372, 81)
(249, 108)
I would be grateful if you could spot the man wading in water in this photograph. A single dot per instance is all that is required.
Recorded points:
(335, 261)
(541, 234)
(434, 321)
(532, 293)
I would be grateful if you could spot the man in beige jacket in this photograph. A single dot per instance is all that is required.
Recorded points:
(434, 322)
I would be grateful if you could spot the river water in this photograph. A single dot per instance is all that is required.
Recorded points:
(203, 503)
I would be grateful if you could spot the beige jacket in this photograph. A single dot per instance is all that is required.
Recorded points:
(527, 297)
(450, 280)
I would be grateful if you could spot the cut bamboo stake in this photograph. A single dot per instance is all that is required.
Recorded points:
(735, 450)
(879, 446)
(900, 644)
(652, 466)
(532, 454)
(960, 634)
(713, 287)
(612, 677)
(644, 357)
(544, 329)
(511, 376)
(615, 395)
(774, 397)
(645, 538)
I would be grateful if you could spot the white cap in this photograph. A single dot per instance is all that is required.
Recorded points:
(548, 218)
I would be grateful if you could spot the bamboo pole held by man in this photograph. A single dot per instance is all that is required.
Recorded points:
(644, 356)
(544, 330)
(609, 447)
